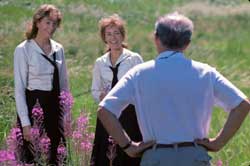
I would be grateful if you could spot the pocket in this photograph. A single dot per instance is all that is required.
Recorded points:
(149, 159)
(203, 159)
(150, 162)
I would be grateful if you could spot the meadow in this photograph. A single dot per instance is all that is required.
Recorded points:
(221, 39)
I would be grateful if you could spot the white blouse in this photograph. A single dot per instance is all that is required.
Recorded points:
(102, 74)
(32, 71)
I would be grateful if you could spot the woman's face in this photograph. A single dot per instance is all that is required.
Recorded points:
(46, 27)
(113, 37)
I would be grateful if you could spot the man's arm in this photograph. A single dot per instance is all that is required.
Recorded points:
(233, 123)
(114, 128)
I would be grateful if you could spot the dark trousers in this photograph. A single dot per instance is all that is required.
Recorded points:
(100, 149)
(52, 123)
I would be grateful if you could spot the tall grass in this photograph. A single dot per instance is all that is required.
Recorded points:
(220, 40)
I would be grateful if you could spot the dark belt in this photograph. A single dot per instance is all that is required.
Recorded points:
(177, 145)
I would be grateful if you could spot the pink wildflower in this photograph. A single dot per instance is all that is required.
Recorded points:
(61, 150)
(37, 114)
(35, 133)
(66, 100)
(111, 153)
(6, 156)
(82, 122)
(90, 136)
(44, 144)
(68, 125)
(61, 154)
(86, 146)
(77, 135)
(14, 139)
(219, 163)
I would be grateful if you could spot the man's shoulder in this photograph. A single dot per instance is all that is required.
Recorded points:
(142, 68)
(201, 65)
(146, 65)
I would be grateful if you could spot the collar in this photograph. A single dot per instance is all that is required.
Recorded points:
(125, 54)
(37, 48)
(168, 54)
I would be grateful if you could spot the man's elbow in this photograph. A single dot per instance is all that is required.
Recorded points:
(243, 107)
(103, 113)
(100, 112)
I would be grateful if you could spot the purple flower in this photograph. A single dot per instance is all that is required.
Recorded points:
(77, 135)
(219, 163)
(44, 144)
(86, 146)
(66, 103)
(15, 134)
(82, 122)
(61, 150)
(35, 133)
(37, 114)
(68, 125)
(66, 100)
(14, 139)
(90, 136)
(7, 156)
(111, 152)
(61, 154)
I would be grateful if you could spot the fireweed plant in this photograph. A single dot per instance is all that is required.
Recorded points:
(111, 152)
(78, 139)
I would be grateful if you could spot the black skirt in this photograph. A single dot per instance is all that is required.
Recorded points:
(52, 123)
(101, 142)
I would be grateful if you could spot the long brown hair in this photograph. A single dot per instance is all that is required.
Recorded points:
(45, 10)
(113, 20)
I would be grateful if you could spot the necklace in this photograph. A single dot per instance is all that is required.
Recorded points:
(46, 48)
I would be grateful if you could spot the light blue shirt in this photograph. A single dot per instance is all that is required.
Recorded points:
(173, 96)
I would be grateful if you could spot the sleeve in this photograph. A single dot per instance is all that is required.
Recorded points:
(96, 87)
(121, 95)
(226, 94)
(64, 83)
(20, 79)
(137, 59)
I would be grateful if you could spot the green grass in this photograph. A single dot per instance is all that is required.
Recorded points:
(220, 40)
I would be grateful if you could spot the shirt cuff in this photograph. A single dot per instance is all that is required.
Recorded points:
(25, 121)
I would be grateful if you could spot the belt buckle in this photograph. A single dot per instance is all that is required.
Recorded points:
(154, 146)
(175, 146)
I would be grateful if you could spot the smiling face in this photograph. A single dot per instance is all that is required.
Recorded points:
(46, 27)
(113, 37)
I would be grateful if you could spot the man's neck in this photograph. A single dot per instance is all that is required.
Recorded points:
(168, 49)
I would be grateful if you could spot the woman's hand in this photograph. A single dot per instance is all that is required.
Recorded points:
(26, 133)
(102, 95)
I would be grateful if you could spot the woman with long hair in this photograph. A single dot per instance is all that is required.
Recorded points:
(40, 75)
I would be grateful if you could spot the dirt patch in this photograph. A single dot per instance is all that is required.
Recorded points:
(207, 9)
(82, 8)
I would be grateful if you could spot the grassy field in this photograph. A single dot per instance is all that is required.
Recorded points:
(221, 39)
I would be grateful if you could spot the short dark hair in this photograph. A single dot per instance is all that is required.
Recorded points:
(174, 30)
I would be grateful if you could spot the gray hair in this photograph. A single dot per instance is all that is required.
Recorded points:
(174, 30)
